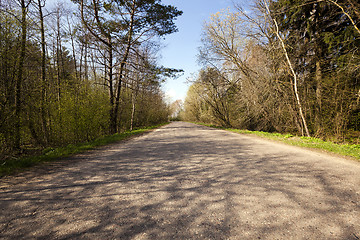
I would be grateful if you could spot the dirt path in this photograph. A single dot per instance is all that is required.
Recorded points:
(187, 182)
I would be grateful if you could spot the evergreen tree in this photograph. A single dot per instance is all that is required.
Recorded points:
(323, 45)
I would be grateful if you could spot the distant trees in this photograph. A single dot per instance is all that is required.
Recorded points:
(176, 110)
(290, 65)
(68, 78)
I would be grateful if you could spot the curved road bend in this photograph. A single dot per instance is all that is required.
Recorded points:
(185, 181)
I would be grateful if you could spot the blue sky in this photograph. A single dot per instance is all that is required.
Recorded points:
(181, 48)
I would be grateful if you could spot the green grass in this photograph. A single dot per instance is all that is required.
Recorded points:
(349, 150)
(53, 154)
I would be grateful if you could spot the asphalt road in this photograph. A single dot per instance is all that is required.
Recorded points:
(184, 181)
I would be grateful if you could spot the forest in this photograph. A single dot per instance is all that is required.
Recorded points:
(74, 71)
(286, 66)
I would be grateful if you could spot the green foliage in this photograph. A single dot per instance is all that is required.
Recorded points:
(211, 100)
(71, 98)
(160, 17)
(168, 72)
(80, 116)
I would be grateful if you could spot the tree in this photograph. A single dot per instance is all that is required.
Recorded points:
(53, 70)
(176, 108)
(295, 82)
(9, 32)
(121, 26)
(289, 65)
(20, 72)
(192, 105)
(326, 46)
(43, 72)
(242, 57)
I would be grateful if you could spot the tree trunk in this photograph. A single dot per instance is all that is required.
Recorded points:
(134, 97)
(318, 79)
(43, 75)
(132, 112)
(58, 52)
(113, 117)
(73, 51)
(292, 72)
(123, 65)
(19, 82)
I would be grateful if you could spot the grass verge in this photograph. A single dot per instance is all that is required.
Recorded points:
(349, 150)
(52, 154)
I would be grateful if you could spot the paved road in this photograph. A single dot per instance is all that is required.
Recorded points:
(187, 182)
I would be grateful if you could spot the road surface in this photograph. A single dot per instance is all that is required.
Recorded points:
(185, 181)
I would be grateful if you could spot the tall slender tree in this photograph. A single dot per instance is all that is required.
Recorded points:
(20, 75)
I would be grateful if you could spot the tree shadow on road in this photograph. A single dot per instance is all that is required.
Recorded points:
(183, 187)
